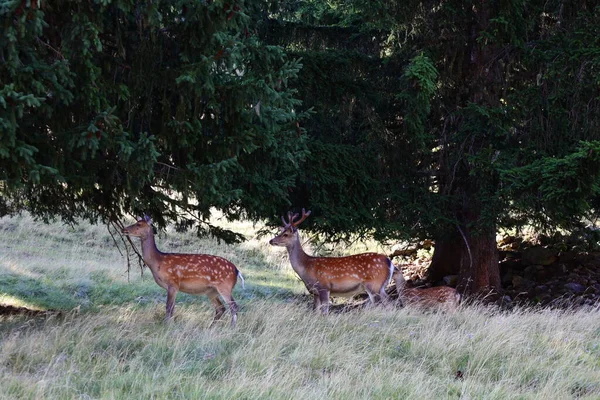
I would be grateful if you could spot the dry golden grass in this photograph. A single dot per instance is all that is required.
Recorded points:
(114, 345)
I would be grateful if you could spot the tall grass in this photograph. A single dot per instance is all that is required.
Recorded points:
(110, 341)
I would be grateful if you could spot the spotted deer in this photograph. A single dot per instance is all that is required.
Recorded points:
(205, 274)
(338, 276)
(439, 297)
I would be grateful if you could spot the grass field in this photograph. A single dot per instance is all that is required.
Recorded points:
(110, 342)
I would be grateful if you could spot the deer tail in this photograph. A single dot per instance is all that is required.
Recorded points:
(239, 275)
(392, 268)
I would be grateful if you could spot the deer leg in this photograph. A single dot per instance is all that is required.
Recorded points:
(371, 295)
(383, 296)
(219, 308)
(316, 302)
(376, 296)
(233, 307)
(171, 294)
(324, 300)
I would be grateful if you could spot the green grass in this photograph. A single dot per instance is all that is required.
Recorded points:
(110, 341)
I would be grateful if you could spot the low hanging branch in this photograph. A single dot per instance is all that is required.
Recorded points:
(411, 251)
(118, 227)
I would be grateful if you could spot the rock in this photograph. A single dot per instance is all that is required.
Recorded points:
(539, 255)
(507, 265)
(532, 271)
(508, 255)
(517, 280)
(541, 289)
(573, 277)
(427, 244)
(450, 280)
(520, 282)
(515, 246)
(567, 256)
(507, 240)
(575, 287)
(563, 268)
(544, 298)
(507, 278)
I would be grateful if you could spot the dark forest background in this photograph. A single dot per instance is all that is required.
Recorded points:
(399, 120)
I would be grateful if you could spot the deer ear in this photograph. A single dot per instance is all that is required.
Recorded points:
(147, 219)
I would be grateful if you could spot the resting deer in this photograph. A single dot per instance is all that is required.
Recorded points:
(189, 273)
(341, 276)
(440, 297)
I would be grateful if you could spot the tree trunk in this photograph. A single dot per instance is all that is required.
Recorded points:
(470, 249)
(479, 266)
(472, 253)
(446, 257)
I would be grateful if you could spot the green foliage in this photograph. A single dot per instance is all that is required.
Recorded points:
(452, 115)
(424, 116)
(167, 108)
(555, 191)
(421, 76)
(354, 169)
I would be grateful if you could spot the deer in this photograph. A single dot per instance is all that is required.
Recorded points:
(205, 274)
(439, 297)
(338, 276)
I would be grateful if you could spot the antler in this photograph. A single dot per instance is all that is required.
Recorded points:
(292, 216)
(305, 214)
(290, 220)
(295, 224)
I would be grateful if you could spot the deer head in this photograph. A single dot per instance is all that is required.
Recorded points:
(289, 231)
(142, 228)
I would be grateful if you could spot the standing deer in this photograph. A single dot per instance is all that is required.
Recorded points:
(189, 273)
(440, 297)
(342, 276)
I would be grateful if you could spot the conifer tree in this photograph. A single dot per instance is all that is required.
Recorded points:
(450, 120)
(167, 108)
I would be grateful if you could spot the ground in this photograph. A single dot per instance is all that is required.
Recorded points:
(541, 272)
(97, 331)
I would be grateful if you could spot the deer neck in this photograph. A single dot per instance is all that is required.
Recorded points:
(298, 258)
(150, 253)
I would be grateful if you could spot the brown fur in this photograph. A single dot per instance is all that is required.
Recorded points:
(440, 297)
(342, 276)
(205, 274)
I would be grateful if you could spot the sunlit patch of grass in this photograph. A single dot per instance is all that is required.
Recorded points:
(61, 267)
(13, 301)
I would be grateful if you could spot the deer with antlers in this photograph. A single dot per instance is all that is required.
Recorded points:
(338, 276)
(205, 274)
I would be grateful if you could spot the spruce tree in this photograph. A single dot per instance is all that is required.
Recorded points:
(168, 108)
(451, 120)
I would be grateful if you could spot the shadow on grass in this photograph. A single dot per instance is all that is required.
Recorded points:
(58, 293)
(12, 310)
(61, 293)
(40, 293)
